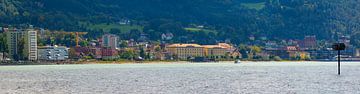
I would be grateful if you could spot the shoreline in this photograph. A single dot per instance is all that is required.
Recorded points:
(162, 62)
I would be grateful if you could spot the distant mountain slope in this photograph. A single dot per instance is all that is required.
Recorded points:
(231, 19)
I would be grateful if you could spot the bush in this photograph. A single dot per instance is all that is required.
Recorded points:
(277, 58)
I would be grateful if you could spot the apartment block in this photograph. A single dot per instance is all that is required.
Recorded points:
(22, 42)
(31, 45)
(110, 40)
(53, 53)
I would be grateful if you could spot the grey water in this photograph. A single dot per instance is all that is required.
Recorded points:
(182, 78)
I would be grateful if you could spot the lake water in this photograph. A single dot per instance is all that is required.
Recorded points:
(214, 78)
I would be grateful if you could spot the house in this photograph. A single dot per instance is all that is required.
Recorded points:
(235, 54)
(292, 51)
(96, 52)
(109, 53)
(252, 37)
(143, 38)
(124, 22)
(283, 52)
(357, 52)
(79, 52)
(167, 36)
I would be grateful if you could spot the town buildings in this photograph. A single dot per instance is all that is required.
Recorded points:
(109, 53)
(345, 39)
(22, 43)
(309, 42)
(53, 53)
(110, 40)
(96, 52)
(186, 51)
(104, 53)
(289, 53)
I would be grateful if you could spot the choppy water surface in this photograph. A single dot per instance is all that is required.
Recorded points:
(308, 78)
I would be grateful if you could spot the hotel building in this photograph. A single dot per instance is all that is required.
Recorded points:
(184, 51)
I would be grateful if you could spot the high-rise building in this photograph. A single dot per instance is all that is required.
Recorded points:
(31, 45)
(14, 36)
(22, 43)
(110, 40)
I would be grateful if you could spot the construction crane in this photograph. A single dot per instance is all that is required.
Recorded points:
(77, 37)
(77, 34)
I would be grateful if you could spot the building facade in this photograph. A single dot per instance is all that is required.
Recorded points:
(31, 45)
(109, 53)
(215, 51)
(53, 53)
(185, 51)
(22, 43)
(110, 40)
(96, 52)
(309, 42)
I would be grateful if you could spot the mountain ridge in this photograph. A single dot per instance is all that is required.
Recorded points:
(231, 19)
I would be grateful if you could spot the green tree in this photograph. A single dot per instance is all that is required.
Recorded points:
(3, 45)
(148, 56)
(20, 55)
(355, 40)
(142, 52)
(256, 49)
(84, 43)
(158, 49)
(277, 58)
(128, 54)
(115, 31)
(123, 44)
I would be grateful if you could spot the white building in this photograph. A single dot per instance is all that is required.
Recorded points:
(53, 53)
(31, 44)
(167, 36)
(110, 40)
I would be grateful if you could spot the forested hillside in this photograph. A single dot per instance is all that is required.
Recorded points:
(228, 19)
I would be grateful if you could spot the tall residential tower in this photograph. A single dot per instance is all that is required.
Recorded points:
(22, 44)
(110, 40)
